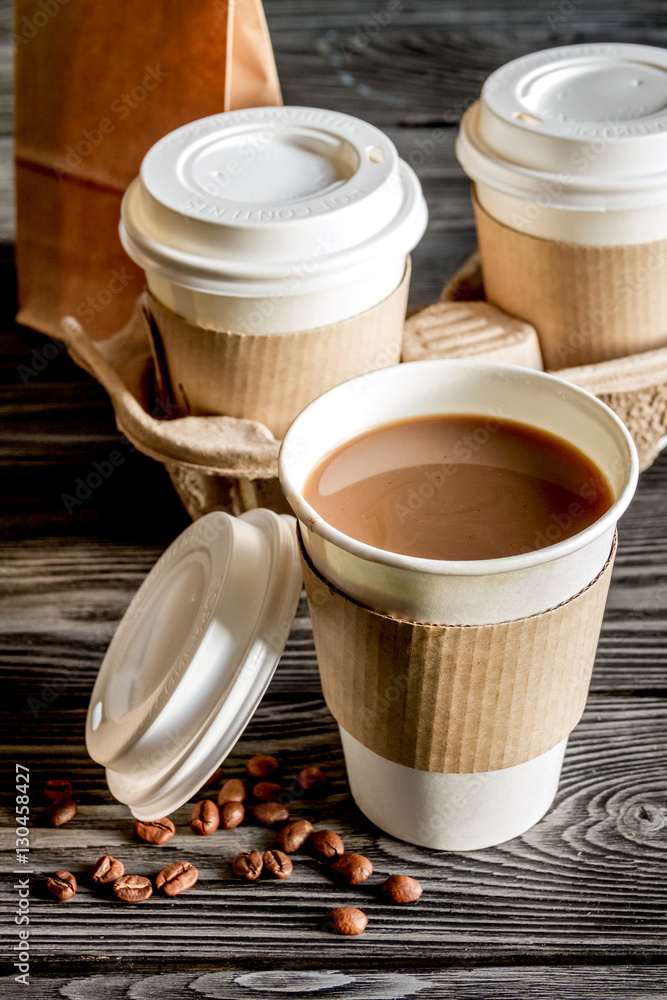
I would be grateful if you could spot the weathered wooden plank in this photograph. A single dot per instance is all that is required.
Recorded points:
(587, 881)
(623, 982)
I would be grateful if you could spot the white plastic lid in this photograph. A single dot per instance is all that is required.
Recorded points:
(582, 127)
(192, 657)
(235, 202)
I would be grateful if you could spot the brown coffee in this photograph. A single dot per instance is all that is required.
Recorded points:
(458, 486)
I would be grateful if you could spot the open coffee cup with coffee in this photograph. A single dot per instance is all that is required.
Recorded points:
(457, 522)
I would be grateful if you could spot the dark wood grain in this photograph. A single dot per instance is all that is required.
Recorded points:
(590, 876)
(576, 906)
(624, 982)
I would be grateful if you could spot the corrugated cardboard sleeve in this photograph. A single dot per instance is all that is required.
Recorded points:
(587, 303)
(270, 378)
(459, 699)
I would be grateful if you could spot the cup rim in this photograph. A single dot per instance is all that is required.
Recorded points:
(307, 514)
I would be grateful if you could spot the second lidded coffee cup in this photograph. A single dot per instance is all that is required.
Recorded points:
(455, 682)
(567, 149)
(275, 243)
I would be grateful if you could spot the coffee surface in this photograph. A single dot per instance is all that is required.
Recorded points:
(458, 486)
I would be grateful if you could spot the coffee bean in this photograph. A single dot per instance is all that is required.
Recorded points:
(156, 831)
(58, 788)
(268, 813)
(278, 864)
(205, 818)
(293, 836)
(61, 812)
(231, 815)
(107, 869)
(176, 878)
(312, 779)
(248, 866)
(402, 889)
(262, 765)
(352, 868)
(326, 844)
(346, 920)
(133, 888)
(267, 791)
(62, 885)
(232, 791)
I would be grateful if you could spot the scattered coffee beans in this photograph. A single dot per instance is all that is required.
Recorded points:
(293, 836)
(248, 866)
(262, 765)
(232, 791)
(352, 868)
(326, 844)
(133, 888)
(402, 889)
(278, 864)
(58, 788)
(61, 812)
(176, 878)
(62, 885)
(346, 920)
(268, 813)
(157, 831)
(107, 869)
(312, 779)
(267, 791)
(232, 815)
(204, 818)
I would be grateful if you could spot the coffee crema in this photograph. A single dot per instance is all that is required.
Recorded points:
(458, 486)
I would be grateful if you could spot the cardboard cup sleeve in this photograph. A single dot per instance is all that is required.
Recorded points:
(456, 699)
(587, 303)
(270, 378)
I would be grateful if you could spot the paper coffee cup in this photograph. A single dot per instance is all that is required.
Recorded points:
(456, 810)
(568, 151)
(261, 224)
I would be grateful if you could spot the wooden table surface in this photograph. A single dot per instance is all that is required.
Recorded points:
(574, 907)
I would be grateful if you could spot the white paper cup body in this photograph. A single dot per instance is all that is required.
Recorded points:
(457, 593)
(273, 220)
(278, 312)
(542, 217)
(452, 812)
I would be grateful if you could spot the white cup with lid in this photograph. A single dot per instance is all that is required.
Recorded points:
(275, 243)
(570, 145)
(271, 220)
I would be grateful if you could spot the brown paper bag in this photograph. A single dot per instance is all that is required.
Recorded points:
(96, 85)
